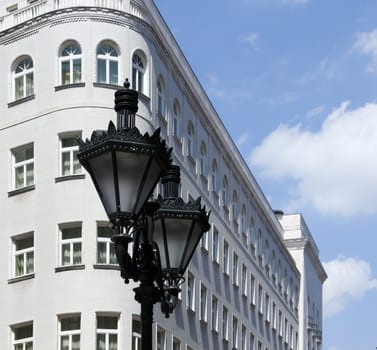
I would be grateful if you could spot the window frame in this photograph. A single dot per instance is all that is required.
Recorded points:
(22, 341)
(70, 333)
(108, 244)
(71, 242)
(161, 97)
(70, 58)
(203, 303)
(26, 72)
(72, 151)
(24, 252)
(24, 164)
(108, 58)
(108, 331)
(139, 69)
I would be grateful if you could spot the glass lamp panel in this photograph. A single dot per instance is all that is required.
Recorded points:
(192, 243)
(102, 174)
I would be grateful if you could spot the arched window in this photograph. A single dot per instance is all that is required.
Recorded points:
(235, 206)
(225, 194)
(161, 98)
(190, 140)
(107, 64)
(214, 176)
(70, 64)
(203, 160)
(176, 119)
(138, 71)
(23, 75)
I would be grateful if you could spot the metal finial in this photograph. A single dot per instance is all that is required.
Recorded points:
(126, 84)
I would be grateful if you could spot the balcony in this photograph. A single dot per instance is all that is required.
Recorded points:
(40, 7)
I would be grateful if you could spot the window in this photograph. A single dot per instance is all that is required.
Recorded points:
(69, 164)
(70, 244)
(225, 323)
(244, 280)
(136, 333)
(107, 333)
(260, 248)
(252, 289)
(260, 299)
(105, 248)
(274, 318)
(23, 254)
(107, 64)
(286, 337)
(235, 269)
(138, 71)
(214, 177)
(226, 258)
(190, 303)
(23, 76)
(161, 98)
(23, 166)
(70, 64)
(160, 339)
(176, 120)
(22, 337)
(176, 344)
(235, 206)
(190, 140)
(243, 337)
(252, 341)
(267, 308)
(252, 237)
(215, 314)
(204, 241)
(203, 303)
(215, 245)
(203, 160)
(69, 333)
(260, 345)
(235, 333)
(225, 192)
(244, 226)
(280, 323)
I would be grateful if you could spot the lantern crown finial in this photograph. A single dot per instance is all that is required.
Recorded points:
(126, 106)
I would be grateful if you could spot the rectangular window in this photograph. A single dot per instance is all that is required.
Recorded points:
(274, 318)
(190, 302)
(69, 164)
(267, 307)
(204, 241)
(286, 337)
(203, 303)
(252, 341)
(225, 323)
(235, 333)
(69, 332)
(252, 289)
(243, 337)
(23, 166)
(215, 245)
(280, 323)
(259, 345)
(70, 245)
(226, 258)
(107, 332)
(176, 344)
(215, 314)
(244, 280)
(160, 339)
(23, 246)
(136, 333)
(105, 247)
(22, 337)
(260, 299)
(235, 269)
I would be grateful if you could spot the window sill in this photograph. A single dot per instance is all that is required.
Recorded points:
(21, 100)
(21, 278)
(106, 267)
(69, 177)
(69, 268)
(69, 86)
(108, 86)
(21, 190)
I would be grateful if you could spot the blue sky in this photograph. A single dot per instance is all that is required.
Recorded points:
(295, 83)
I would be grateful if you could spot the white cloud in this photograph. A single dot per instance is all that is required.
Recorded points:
(251, 38)
(366, 43)
(242, 139)
(333, 169)
(349, 279)
(315, 112)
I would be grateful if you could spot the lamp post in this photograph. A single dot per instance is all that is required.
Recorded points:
(125, 167)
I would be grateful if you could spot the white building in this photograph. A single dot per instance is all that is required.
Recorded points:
(255, 282)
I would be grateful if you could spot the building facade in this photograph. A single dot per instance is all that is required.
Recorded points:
(256, 280)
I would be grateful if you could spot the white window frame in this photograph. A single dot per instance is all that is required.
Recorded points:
(203, 302)
(235, 332)
(23, 253)
(203, 160)
(139, 68)
(136, 336)
(244, 283)
(243, 337)
(24, 164)
(252, 289)
(22, 341)
(72, 151)
(69, 333)
(107, 57)
(108, 243)
(225, 192)
(252, 341)
(204, 241)
(190, 294)
(71, 241)
(226, 257)
(108, 331)
(26, 67)
(215, 245)
(161, 97)
(235, 269)
(267, 306)
(190, 140)
(215, 177)
(260, 299)
(235, 207)
(176, 343)
(225, 327)
(160, 332)
(70, 58)
(176, 123)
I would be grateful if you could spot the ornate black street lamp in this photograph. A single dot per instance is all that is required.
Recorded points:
(125, 167)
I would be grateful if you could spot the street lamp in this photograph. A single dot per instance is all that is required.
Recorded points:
(125, 167)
